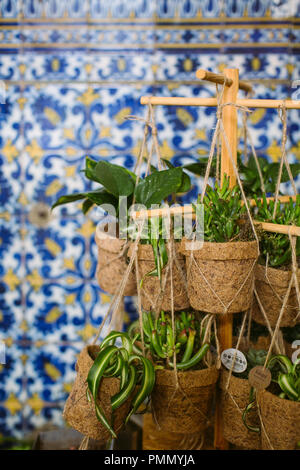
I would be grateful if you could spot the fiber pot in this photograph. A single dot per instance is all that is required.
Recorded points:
(281, 422)
(234, 429)
(226, 279)
(111, 269)
(186, 409)
(80, 413)
(156, 439)
(151, 292)
(271, 284)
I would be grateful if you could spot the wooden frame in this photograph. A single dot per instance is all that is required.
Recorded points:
(230, 95)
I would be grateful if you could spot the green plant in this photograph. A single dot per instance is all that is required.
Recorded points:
(276, 245)
(121, 362)
(118, 182)
(249, 173)
(162, 341)
(223, 213)
(288, 377)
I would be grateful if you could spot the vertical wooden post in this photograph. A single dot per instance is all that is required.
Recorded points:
(230, 126)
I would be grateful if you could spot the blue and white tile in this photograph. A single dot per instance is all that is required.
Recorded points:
(48, 369)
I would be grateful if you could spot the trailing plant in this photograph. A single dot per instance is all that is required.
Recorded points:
(287, 378)
(121, 362)
(276, 246)
(224, 213)
(161, 341)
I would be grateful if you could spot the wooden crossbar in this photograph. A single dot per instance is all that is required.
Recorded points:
(211, 102)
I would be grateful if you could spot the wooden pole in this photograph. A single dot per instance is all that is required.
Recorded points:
(230, 128)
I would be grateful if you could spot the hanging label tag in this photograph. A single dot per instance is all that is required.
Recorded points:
(259, 377)
(234, 360)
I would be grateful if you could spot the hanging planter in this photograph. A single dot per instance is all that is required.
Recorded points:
(156, 439)
(221, 272)
(280, 406)
(185, 409)
(112, 263)
(111, 383)
(155, 290)
(271, 285)
(274, 273)
(220, 275)
(280, 418)
(237, 397)
(79, 412)
(234, 400)
(183, 406)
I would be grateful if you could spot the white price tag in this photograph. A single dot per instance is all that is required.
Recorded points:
(234, 359)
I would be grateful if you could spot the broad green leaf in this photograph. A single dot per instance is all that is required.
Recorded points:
(89, 170)
(274, 169)
(185, 183)
(102, 197)
(116, 179)
(69, 198)
(87, 204)
(158, 186)
(168, 163)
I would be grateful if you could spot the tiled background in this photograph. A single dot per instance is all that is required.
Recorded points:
(73, 69)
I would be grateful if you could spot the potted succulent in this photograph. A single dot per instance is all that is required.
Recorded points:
(273, 271)
(182, 406)
(112, 382)
(221, 272)
(280, 406)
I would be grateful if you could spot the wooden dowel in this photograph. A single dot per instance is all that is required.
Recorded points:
(277, 228)
(257, 103)
(282, 199)
(178, 101)
(210, 102)
(213, 77)
(188, 209)
(220, 78)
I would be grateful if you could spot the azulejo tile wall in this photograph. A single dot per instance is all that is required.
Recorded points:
(72, 71)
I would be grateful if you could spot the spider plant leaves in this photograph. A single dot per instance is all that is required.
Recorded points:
(115, 179)
(98, 368)
(113, 336)
(285, 381)
(125, 392)
(147, 384)
(158, 186)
